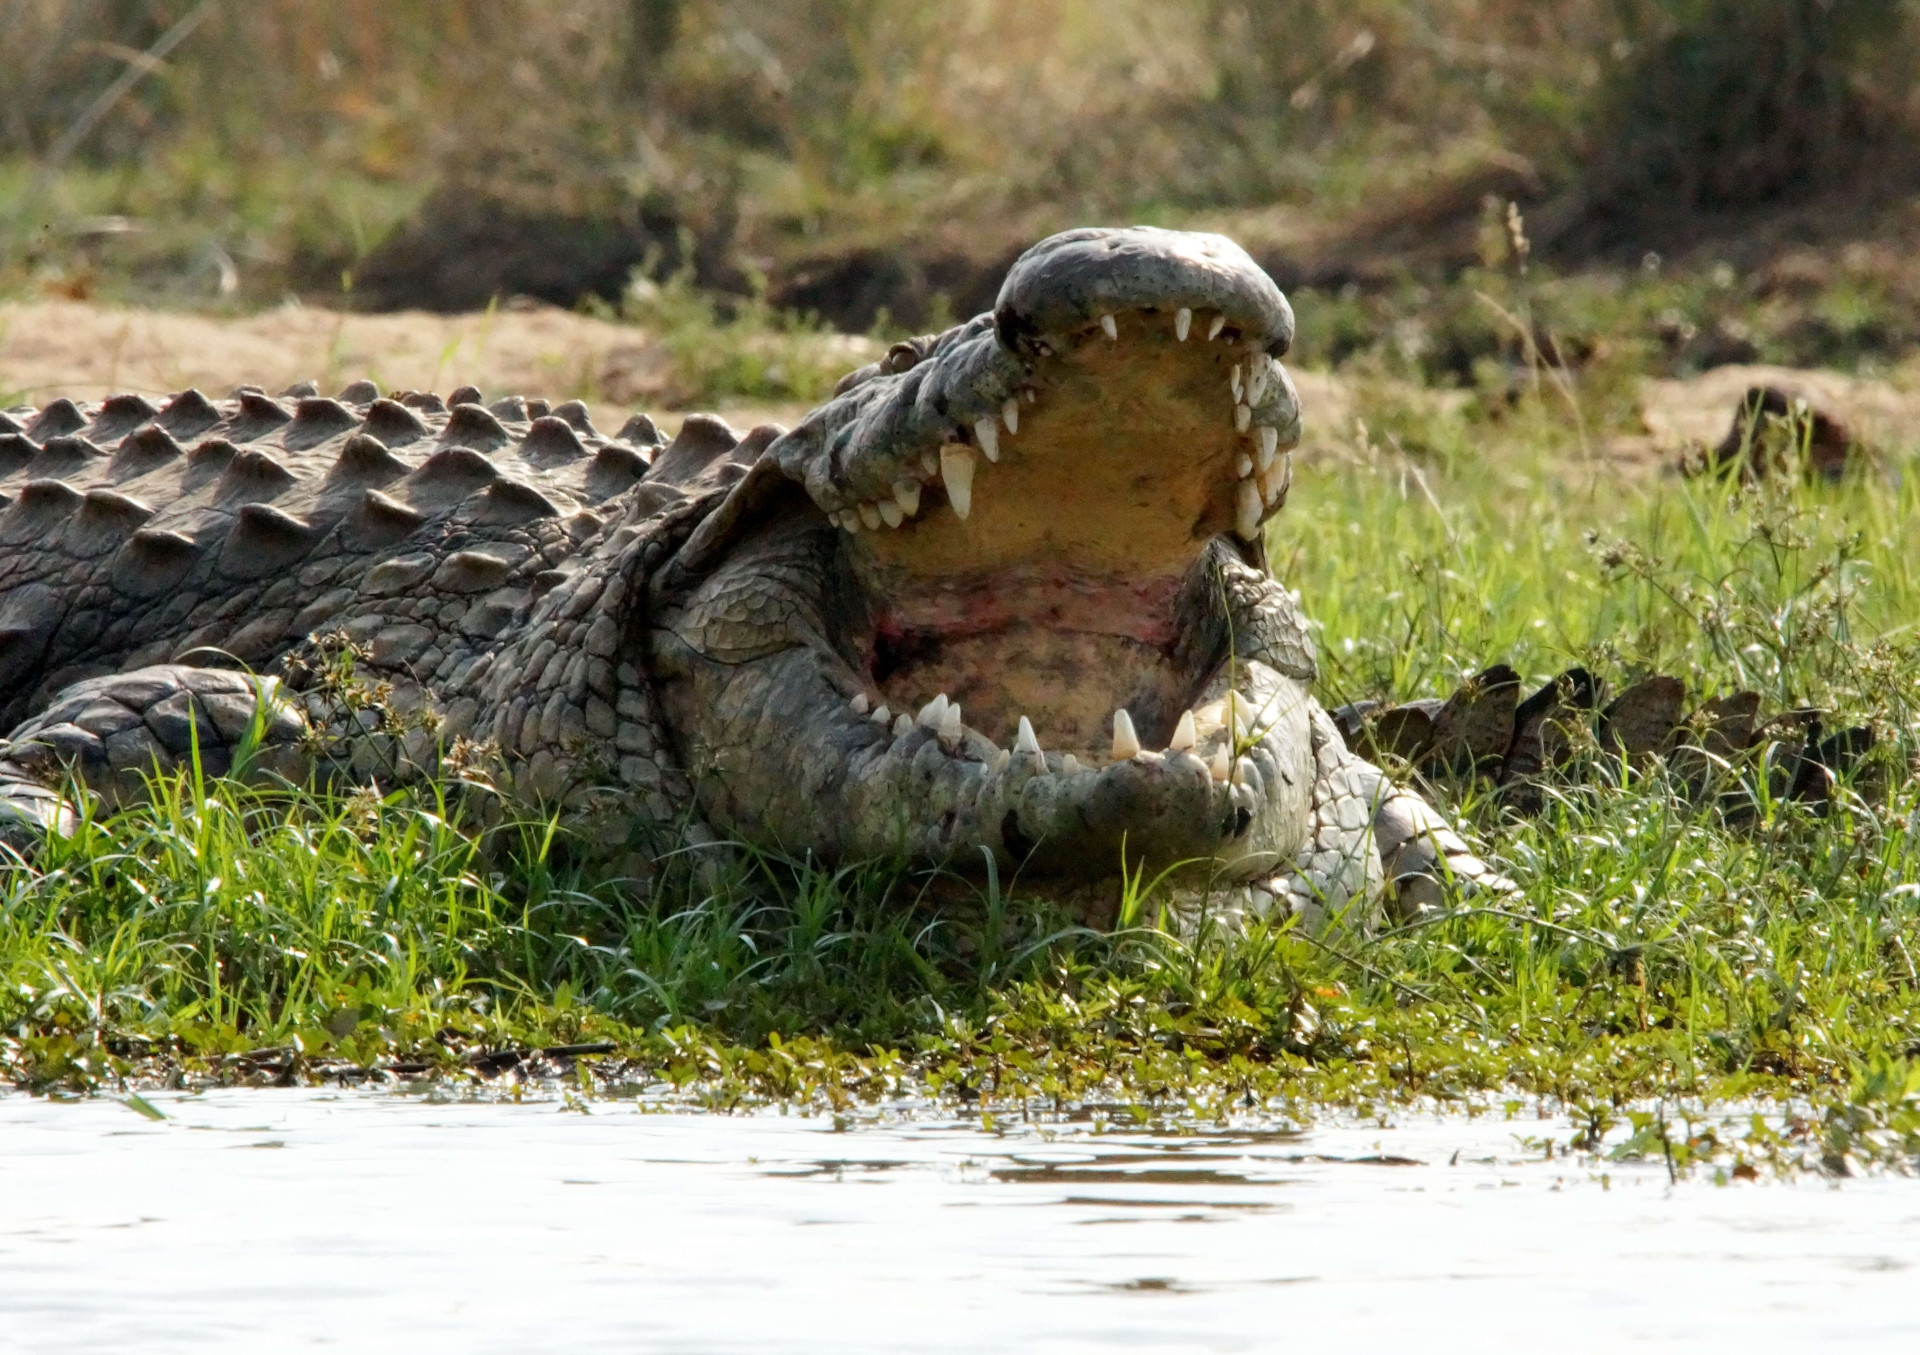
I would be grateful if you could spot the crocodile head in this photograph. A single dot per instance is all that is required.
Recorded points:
(1032, 498)
(1045, 620)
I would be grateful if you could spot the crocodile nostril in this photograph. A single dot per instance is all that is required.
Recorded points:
(1241, 821)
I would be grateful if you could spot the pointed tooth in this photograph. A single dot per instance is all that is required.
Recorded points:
(890, 512)
(956, 472)
(1213, 330)
(850, 521)
(881, 716)
(1126, 743)
(1236, 382)
(1243, 465)
(1182, 322)
(931, 713)
(1112, 330)
(1220, 765)
(859, 703)
(951, 725)
(1247, 508)
(1010, 415)
(1069, 764)
(1257, 379)
(1185, 736)
(1246, 774)
(870, 516)
(1024, 741)
(1001, 757)
(1269, 439)
(1242, 418)
(987, 433)
(906, 493)
(902, 725)
(930, 463)
(1029, 396)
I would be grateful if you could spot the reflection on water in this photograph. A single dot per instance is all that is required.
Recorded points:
(269, 1220)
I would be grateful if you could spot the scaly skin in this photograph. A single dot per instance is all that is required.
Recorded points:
(1047, 515)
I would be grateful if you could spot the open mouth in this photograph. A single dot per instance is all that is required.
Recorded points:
(1039, 623)
(1040, 576)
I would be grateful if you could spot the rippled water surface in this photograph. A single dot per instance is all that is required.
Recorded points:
(268, 1220)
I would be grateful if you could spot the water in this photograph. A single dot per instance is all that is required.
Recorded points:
(275, 1220)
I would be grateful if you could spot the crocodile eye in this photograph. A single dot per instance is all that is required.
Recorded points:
(902, 357)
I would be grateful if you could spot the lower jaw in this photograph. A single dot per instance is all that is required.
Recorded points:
(1068, 684)
(1063, 650)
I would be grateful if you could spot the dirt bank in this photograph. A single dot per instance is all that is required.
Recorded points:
(53, 348)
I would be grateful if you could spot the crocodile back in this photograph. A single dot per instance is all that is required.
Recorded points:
(136, 531)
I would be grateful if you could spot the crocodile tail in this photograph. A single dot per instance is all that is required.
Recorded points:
(1487, 729)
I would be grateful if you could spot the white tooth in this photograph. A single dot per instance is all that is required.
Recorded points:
(1242, 418)
(850, 520)
(870, 516)
(1024, 742)
(906, 493)
(902, 725)
(859, 703)
(1113, 330)
(1185, 736)
(1269, 443)
(1220, 765)
(931, 712)
(987, 433)
(1247, 508)
(1182, 322)
(1126, 743)
(930, 464)
(1030, 397)
(1069, 764)
(956, 472)
(951, 726)
(1213, 330)
(1236, 381)
(1257, 379)
(890, 513)
(1276, 479)
(1010, 414)
(1243, 464)
(1245, 773)
(1001, 757)
(881, 716)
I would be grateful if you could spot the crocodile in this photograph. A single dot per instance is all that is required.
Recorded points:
(1002, 598)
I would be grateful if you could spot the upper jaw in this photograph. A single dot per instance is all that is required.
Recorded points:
(1070, 280)
(911, 434)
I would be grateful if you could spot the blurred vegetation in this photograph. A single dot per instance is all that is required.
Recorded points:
(878, 162)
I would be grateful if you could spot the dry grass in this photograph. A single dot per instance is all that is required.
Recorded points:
(287, 137)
